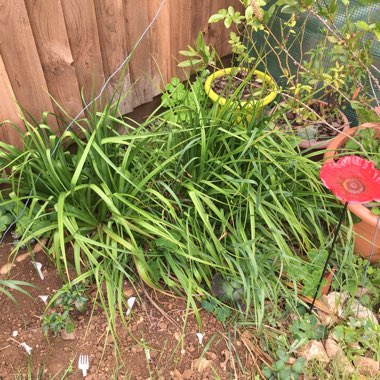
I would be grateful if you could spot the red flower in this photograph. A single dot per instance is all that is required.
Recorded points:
(352, 179)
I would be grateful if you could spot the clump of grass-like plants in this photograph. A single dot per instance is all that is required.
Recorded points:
(204, 201)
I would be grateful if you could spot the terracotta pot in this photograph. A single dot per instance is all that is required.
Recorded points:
(328, 276)
(364, 231)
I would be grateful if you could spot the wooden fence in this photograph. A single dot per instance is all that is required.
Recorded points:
(51, 50)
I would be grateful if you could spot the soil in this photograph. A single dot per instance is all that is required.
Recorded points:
(324, 131)
(227, 85)
(157, 322)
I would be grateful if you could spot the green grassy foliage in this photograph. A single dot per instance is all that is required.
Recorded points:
(194, 192)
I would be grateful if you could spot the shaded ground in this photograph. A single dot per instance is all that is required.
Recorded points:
(158, 327)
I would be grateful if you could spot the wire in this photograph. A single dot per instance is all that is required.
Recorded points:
(126, 60)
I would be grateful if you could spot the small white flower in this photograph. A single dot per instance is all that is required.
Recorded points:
(200, 338)
(14, 333)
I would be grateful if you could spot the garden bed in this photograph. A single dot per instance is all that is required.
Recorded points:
(223, 215)
(157, 323)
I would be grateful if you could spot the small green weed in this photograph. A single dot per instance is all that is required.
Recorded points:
(307, 326)
(355, 276)
(359, 337)
(282, 370)
(6, 218)
(59, 318)
(221, 312)
(308, 272)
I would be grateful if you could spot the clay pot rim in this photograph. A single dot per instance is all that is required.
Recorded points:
(361, 211)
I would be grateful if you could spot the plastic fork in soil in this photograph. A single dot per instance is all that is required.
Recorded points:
(84, 364)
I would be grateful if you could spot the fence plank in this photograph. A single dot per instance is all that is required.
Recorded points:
(113, 43)
(62, 46)
(214, 30)
(218, 34)
(80, 19)
(180, 20)
(200, 15)
(21, 60)
(140, 66)
(8, 110)
(48, 26)
(160, 44)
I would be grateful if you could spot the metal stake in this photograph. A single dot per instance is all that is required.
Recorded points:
(328, 256)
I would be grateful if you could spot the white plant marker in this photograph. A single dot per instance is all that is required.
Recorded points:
(130, 301)
(200, 338)
(147, 353)
(44, 299)
(38, 266)
(27, 348)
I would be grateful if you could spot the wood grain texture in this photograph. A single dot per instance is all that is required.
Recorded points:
(21, 59)
(214, 30)
(199, 17)
(160, 44)
(113, 43)
(180, 24)
(140, 64)
(49, 30)
(64, 46)
(81, 26)
(8, 110)
(218, 34)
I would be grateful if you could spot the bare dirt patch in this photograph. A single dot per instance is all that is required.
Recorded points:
(158, 341)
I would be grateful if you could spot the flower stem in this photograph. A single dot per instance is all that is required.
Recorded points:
(329, 255)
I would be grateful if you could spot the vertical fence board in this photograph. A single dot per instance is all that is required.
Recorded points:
(8, 110)
(180, 21)
(200, 15)
(82, 31)
(214, 30)
(140, 66)
(218, 35)
(113, 43)
(21, 60)
(160, 44)
(49, 30)
(64, 46)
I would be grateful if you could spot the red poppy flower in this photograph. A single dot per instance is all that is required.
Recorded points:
(352, 179)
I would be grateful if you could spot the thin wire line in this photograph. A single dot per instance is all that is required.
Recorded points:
(329, 256)
(127, 59)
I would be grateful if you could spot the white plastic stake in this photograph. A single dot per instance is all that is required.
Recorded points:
(130, 302)
(38, 266)
(27, 348)
(200, 338)
(44, 299)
